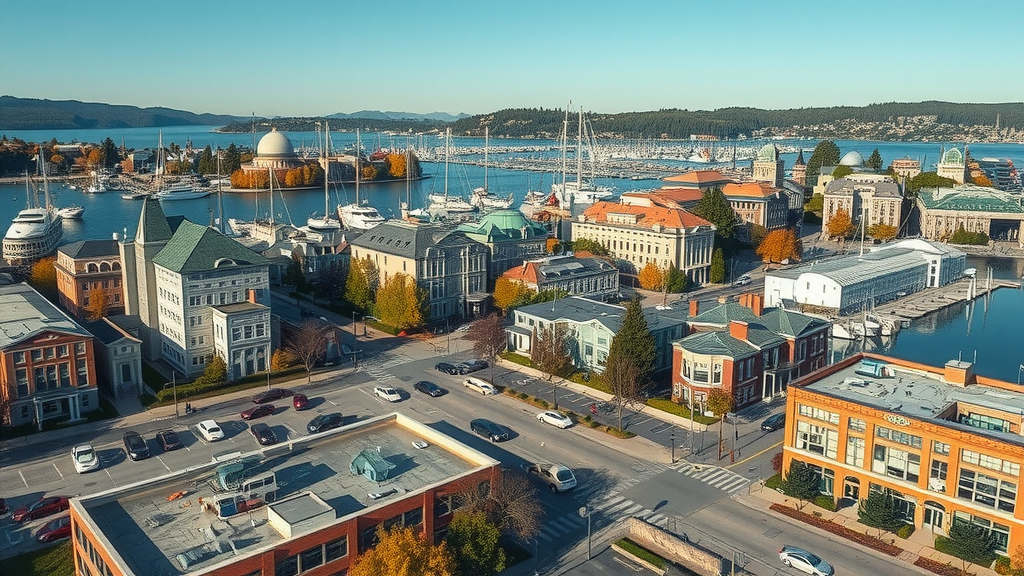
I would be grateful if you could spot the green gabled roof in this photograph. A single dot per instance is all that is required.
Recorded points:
(195, 248)
(716, 343)
(790, 323)
(722, 314)
(153, 226)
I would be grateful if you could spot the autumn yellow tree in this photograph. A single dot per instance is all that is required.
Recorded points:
(402, 552)
(510, 293)
(779, 245)
(368, 172)
(401, 303)
(282, 359)
(840, 225)
(97, 306)
(44, 276)
(882, 231)
(396, 165)
(553, 245)
(652, 277)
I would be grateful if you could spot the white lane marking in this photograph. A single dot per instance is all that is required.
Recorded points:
(58, 470)
(164, 463)
(23, 478)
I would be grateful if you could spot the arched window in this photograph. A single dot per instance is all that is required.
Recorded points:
(104, 267)
(92, 267)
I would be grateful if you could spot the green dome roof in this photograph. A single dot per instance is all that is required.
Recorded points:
(506, 224)
(768, 153)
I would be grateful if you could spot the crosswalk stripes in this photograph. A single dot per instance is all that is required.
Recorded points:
(716, 477)
(612, 507)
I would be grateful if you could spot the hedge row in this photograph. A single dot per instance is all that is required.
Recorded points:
(839, 530)
(193, 389)
(938, 567)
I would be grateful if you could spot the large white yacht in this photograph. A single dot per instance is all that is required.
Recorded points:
(357, 215)
(35, 232)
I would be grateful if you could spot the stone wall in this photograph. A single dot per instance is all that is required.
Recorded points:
(673, 548)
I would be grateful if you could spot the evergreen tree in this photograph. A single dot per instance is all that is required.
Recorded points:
(717, 266)
(109, 154)
(826, 153)
(207, 163)
(874, 161)
(630, 361)
(677, 280)
(475, 544)
(232, 160)
(970, 543)
(879, 511)
(715, 208)
(801, 482)
(588, 245)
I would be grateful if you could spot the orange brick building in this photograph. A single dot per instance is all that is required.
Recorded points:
(86, 270)
(324, 512)
(945, 444)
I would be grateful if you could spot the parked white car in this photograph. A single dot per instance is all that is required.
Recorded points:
(86, 459)
(210, 430)
(481, 386)
(556, 419)
(388, 393)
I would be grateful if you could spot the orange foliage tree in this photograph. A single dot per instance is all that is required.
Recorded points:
(510, 293)
(255, 179)
(779, 245)
(882, 231)
(651, 277)
(840, 225)
(396, 165)
(368, 172)
(982, 180)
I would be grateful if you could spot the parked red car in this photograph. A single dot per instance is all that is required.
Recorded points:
(40, 508)
(56, 529)
(300, 402)
(258, 411)
(271, 395)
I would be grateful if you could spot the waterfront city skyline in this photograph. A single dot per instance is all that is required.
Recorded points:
(321, 57)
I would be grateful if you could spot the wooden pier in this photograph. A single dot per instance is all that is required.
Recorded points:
(918, 304)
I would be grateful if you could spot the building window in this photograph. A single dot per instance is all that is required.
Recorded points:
(37, 354)
(898, 436)
(896, 463)
(855, 451)
(62, 350)
(19, 357)
(937, 476)
(65, 375)
(987, 490)
(819, 414)
(83, 373)
(21, 376)
(80, 348)
(336, 549)
(817, 439)
(999, 532)
(287, 567)
(940, 447)
(857, 425)
(990, 462)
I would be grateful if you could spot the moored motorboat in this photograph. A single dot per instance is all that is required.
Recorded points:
(71, 212)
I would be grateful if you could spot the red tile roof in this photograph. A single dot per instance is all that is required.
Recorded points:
(700, 178)
(750, 189)
(649, 216)
(526, 273)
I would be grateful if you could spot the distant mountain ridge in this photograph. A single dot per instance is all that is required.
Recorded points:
(390, 115)
(39, 114)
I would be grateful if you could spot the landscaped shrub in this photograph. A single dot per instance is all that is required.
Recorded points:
(522, 395)
(839, 530)
(825, 501)
(641, 553)
(666, 405)
(510, 391)
(905, 531)
(542, 403)
(938, 567)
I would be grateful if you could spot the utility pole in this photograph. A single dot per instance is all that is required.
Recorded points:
(587, 513)
(673, 437)
(174, 388)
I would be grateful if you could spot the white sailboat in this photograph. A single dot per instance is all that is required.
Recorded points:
(325, 222)
(358, 216)
(580, 191)
(443, 202)
(186, 188)
(482, 197)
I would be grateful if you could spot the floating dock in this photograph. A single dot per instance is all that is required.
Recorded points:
(929, 300)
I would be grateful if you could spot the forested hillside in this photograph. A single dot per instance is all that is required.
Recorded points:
(36, 114)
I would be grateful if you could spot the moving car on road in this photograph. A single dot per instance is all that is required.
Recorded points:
(556, 419)
(447, 368)
(85, 458)
(258, 411)
(490, 430)
(804, 561)
(743, 280)
(558, 478)
(41, 508)
(271, 395)
(210, 430)
(429, 388)
(263, 434)
(481, 386)
(774, 422)
(168, 440)
(56, 529)
(471, 366)
(388, 393)
(135, 446)
(300, 402)
(324, 422)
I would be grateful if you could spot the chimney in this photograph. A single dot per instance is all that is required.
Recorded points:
(959, 373)
(745, 300)
(738, 330)
(250, 296)
(694, 308)
(756, 304)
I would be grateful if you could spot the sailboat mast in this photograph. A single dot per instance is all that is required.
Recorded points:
(487, 134)
(447, 144)
(565, 144)
(46, 182)
(579, 152)
(220, 195)
(327, 171)
(270, 180)
(358, 165)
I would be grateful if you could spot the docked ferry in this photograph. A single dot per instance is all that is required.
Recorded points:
(34, 233)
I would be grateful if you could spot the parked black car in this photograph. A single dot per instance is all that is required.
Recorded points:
(263, 434)
(773, 422)
(471, 366)
(135, 446)
(168, 440)
(324, 422)
(447, 368)
(271, 395)
(490, 430)
(429, 388)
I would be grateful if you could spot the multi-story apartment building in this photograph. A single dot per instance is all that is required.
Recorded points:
(748, 351)
(47, 367)
(636, 234)
(311, 507)
(757, 203)
(906, 167)
(87, 270)
(943, 443)
(591, 277)
(449, 265)
(175, 279)
(868, 199)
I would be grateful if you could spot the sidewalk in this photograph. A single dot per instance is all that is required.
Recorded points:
(919, 544)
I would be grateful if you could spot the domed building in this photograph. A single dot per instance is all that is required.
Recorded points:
(511, 238)
(853, 159)
(768, 167)
(274, 151)
(952, 165)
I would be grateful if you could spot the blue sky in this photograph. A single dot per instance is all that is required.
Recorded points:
(318, 57)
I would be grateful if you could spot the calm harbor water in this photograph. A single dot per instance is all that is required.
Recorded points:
(989, 328)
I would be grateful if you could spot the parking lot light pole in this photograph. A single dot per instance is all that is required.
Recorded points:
(174, 388)
(673, 437)
(586, 512)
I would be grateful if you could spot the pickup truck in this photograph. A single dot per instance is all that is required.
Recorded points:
(558, 478)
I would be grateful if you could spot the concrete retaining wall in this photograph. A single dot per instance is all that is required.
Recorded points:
(672, 548)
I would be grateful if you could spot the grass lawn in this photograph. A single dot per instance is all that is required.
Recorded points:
(51, 561)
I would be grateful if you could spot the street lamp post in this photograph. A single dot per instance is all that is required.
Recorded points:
(585, 512)
(735, 437)
(174, 388)
(673, 437)
(690, 395)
